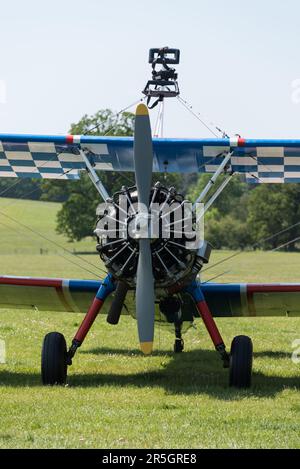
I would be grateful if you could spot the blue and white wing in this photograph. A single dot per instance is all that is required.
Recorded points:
(59, 157)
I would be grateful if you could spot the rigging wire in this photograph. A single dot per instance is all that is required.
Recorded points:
(257, 244)
(285, 244)
(189, 107)
(54, 243)
(117, 115)
(15, 183)
(37, 188)
(10, 187)
(31, 238)
(15, 201)
(60, 254)
(216, 276)
(278, 233)
(21, 179)
(224, 134)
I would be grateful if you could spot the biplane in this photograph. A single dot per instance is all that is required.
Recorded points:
(158, 271)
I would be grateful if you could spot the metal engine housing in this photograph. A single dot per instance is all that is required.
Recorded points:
(173, 260)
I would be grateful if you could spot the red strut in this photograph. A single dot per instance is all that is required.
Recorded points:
(209, 323)
(88, 320)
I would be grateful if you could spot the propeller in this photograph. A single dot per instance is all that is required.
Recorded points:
(145, 296)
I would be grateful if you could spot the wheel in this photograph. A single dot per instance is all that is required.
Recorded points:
(178, 346)
(54, 359)
(240, 368)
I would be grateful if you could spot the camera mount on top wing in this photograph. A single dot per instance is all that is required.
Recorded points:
(164, 81)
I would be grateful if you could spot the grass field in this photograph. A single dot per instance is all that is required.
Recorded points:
(115, 397)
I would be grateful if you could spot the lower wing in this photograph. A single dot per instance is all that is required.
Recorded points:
(224, 300)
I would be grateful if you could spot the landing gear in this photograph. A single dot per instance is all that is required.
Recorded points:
(194, 289)
(170, 307)
(54, 359)
(239, 361)
(179, 343)
(241, 355)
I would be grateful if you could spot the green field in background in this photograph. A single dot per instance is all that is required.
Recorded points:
(117, 398)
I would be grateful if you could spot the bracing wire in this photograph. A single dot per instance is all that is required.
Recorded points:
(60, 254)
(117, 115)
(55, 244)
(37, 188)
(257, 244)
(216, 276)
(20, 179)
(285, 244)
(34, 190)
(189, 107)
(15, 183)
(224, 134)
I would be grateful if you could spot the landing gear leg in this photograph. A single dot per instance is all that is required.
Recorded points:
(55, 357)
(195, 290)
(179, 343)
(170, 306)
(106, 288)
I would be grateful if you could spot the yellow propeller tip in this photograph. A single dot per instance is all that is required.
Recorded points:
(141, 110)
(146, 347)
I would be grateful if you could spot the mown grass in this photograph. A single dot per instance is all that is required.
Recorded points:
(117, 398)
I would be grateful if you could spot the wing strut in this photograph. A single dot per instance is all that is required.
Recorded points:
(224, 167)
(213, 179)
(218, 192)
(94, 176)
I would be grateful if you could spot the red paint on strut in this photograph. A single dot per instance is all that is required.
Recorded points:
(88, 320)
(209, 323)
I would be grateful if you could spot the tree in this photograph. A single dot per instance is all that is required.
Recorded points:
(226, 203)
(76, 218)
(272, 208)
(227, 232)
(20, 188)
(226, 221)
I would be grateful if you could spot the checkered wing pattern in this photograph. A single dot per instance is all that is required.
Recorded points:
(38, 160)
(58, 157)
(268, 162)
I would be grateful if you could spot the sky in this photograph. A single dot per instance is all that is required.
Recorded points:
(239, 68)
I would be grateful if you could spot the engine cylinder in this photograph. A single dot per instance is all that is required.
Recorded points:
(175, 254)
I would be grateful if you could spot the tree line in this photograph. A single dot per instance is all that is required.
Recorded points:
(243, 217)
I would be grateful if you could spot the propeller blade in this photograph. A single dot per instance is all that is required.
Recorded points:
(143, 154)
(145, 296)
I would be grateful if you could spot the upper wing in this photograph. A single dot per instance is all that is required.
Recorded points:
(58, 157)
(77, 295)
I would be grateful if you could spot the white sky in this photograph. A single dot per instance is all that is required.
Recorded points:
(61, 59)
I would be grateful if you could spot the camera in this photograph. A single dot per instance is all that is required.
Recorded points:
(164, 55)
(164, 81)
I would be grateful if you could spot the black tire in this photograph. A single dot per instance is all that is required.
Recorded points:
(178, 346)
(241, 356)
(54, 359)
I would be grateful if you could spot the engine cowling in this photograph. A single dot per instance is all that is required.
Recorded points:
(176, 254)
